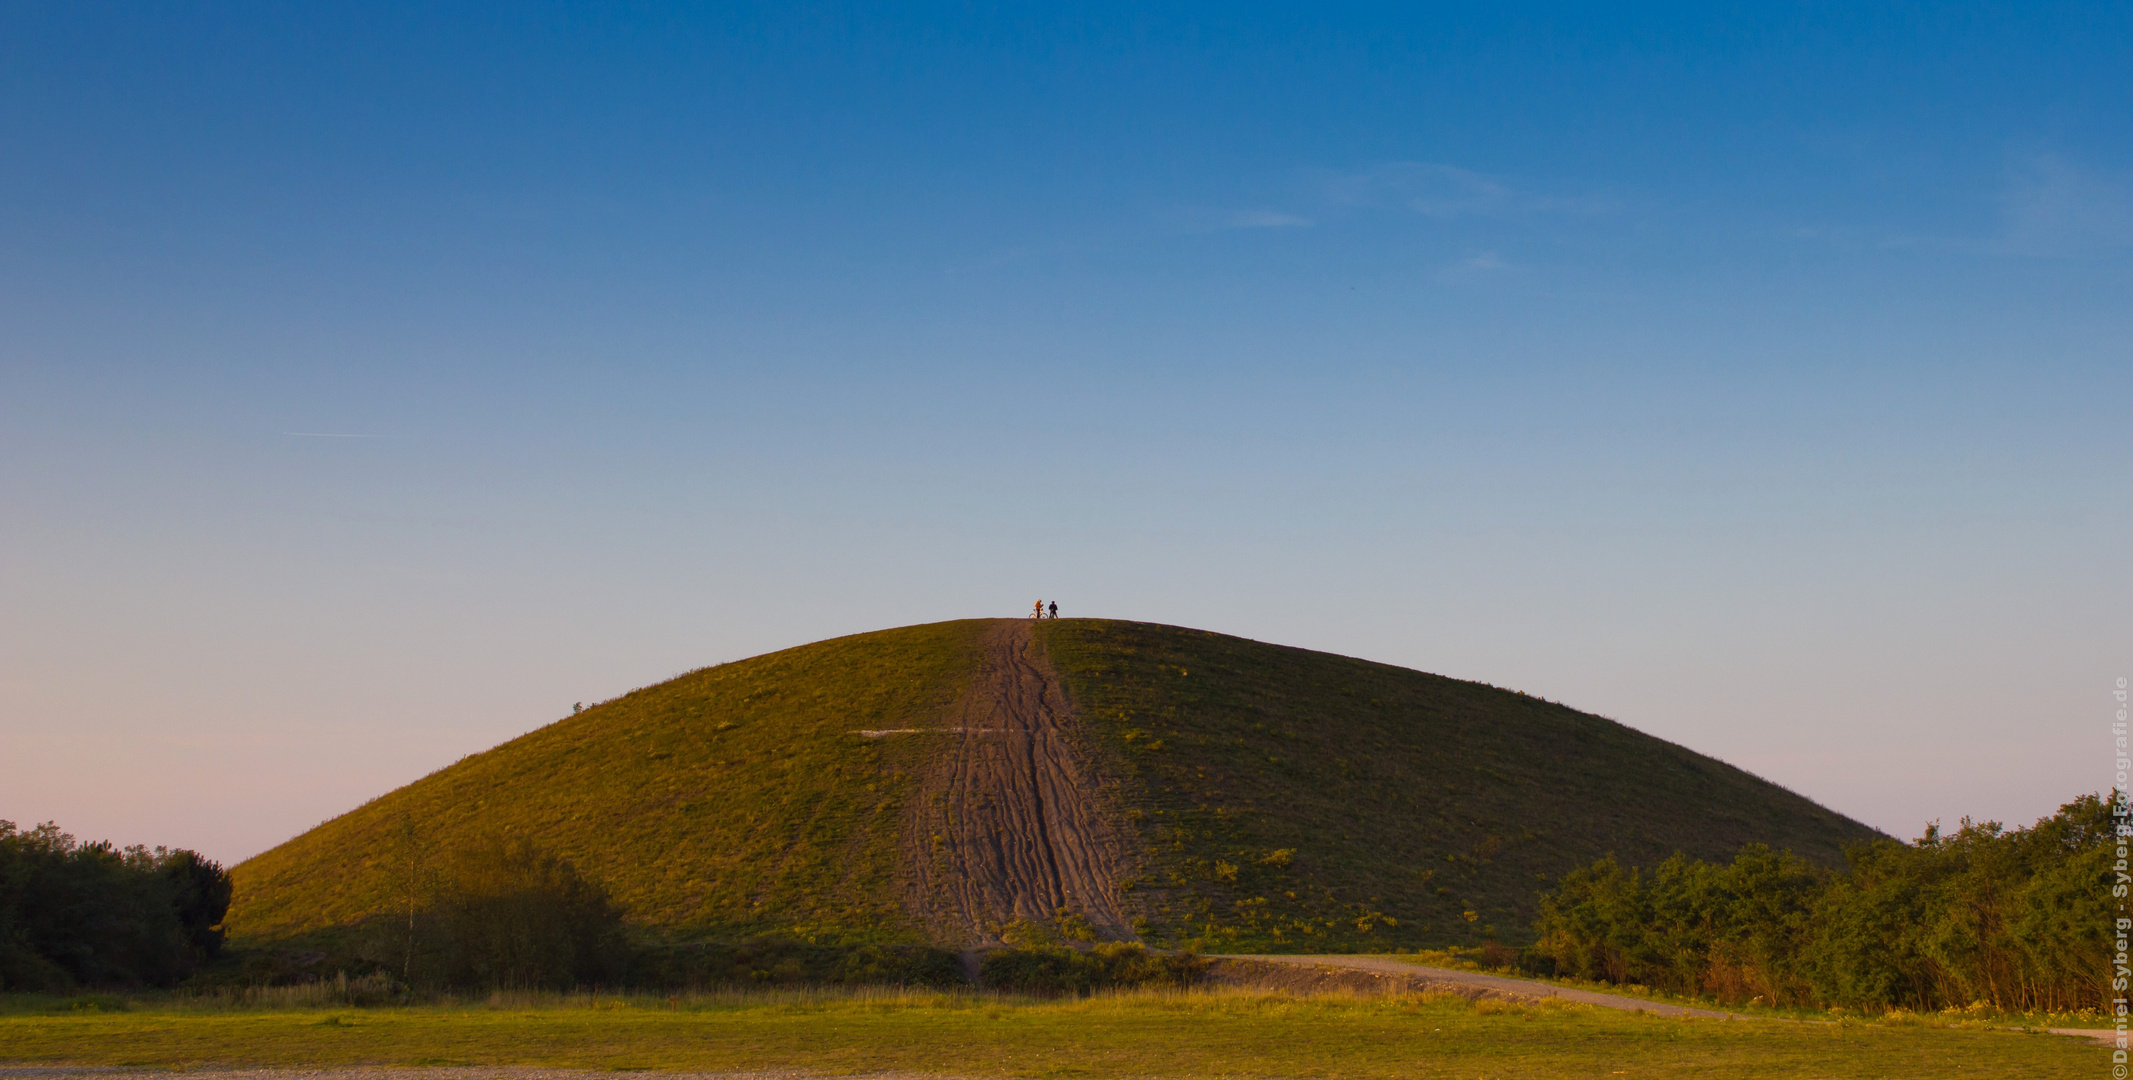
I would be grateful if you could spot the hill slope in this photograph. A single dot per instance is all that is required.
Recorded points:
(933, 782)
(1446, 805)
(732, 800)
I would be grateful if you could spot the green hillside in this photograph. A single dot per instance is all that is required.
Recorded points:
(1272, 798)
(731, 801)
(1445, 805)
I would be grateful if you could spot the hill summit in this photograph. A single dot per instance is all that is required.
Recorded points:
(942, 783)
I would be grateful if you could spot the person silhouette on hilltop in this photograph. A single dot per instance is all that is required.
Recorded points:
(1055, 609)
(1037, 612)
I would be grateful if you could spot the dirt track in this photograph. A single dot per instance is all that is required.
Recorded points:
(1008, 822)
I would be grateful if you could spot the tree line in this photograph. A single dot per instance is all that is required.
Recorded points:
(2020, 919)
(75, 914)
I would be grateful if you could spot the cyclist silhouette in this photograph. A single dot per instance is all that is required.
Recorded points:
(1055, 609)
(1037, 611)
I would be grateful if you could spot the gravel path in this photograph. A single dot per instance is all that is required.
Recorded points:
(2099, 1036)
(1531, 988)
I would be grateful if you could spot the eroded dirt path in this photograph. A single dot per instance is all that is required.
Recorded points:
(1008, 822)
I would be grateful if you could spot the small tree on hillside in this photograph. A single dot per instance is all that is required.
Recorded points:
(512, 915)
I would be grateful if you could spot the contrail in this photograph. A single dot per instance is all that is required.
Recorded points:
(329, 435)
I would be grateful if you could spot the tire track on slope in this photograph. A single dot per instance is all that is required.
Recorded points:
(1008, 823)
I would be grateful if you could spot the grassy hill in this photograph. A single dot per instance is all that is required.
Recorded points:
(1445, 805)
(731, 801)
(1280, 799)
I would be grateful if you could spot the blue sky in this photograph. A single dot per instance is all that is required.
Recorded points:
(1755, 376)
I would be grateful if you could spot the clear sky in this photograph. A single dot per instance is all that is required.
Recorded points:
(374, 385)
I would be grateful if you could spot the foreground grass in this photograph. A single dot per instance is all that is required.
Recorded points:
(1141, 1034)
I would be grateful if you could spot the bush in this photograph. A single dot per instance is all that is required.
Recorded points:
(2015, 918)
(75, 914)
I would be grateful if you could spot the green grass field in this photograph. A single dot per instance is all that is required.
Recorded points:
(1132, 1034)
